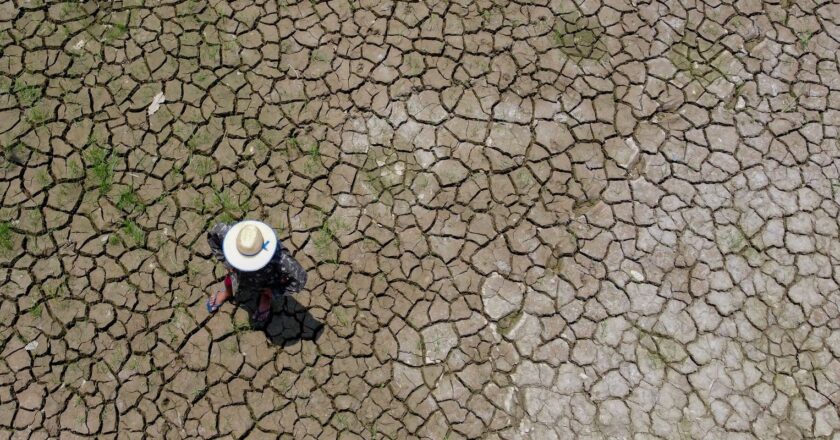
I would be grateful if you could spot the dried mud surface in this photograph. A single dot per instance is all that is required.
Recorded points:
(547, 220)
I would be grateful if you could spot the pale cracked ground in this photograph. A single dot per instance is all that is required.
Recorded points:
(520, 220)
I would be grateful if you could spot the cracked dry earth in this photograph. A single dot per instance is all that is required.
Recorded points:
(546, 220)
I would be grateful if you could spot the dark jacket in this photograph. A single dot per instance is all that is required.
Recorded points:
(282, 274)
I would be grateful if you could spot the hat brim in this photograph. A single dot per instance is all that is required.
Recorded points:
(249, 263)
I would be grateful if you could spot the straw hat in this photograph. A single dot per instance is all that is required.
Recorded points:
(249, 245)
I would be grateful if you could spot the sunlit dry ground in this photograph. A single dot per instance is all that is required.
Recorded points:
(547, 220)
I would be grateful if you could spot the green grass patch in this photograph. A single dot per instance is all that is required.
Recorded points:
(129, 201)
(101, 164)
(43, 178)
(37, 115)
(804, 39)
(115, 32)
(313, 154)
(231, 208)
(6, 236)
(202, 165)
(27, 95)
(326, 235)
(133, 231)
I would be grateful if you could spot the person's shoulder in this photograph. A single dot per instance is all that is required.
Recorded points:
(220, 227)
(219, 230)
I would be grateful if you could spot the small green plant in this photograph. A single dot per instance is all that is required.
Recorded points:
(804, 39)
(313, 158)
(36, 311)
(192, 273)
(74, 168)
(283, 384)
(202, 165)
(314, 152)
(198, 139)
(199, 205)
(213, 51)
(102, 164)
(342, 318)
(230, 346)
(69, 8)
(231, 45)
(36, 115)
(326, 234)
(128, 200)
(43, 178)
(523, 178)
(6, 241)
(341, 421)
(27, 95)
(115, 32)
(231, 209)
(133, 231)
(101, 368)
(171, 334)
(318, 56)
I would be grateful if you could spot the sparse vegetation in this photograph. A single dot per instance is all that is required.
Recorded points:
(37, 115)
(43, 178)
(313, 160)
(27, 95)
(318, 56)
(133, 231)
(6, 238)
(101, 164)
(326, 234)
(342, 318)
(114, 32)
(438, 170)
(202, 165)
(804, 39)
(128, 201)
(74, 168)
(231, 209)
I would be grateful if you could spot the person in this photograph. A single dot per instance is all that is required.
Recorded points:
(254, 258)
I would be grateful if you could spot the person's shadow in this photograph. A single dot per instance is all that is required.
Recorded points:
(290, 321)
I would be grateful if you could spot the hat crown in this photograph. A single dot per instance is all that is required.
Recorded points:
(249, 241)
